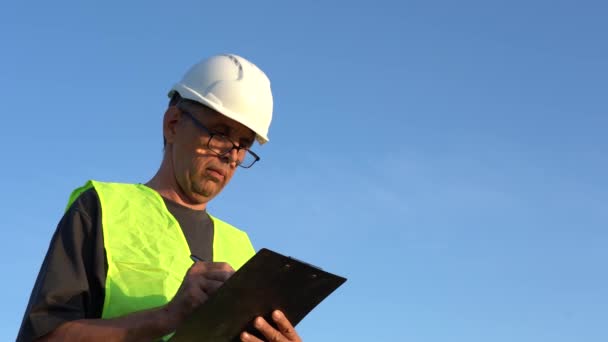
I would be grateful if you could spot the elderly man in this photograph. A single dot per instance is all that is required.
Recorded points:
(119, 266)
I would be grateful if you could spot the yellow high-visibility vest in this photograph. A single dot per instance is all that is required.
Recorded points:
(146, 250)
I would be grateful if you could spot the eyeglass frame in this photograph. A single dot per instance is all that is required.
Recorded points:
(211, 134)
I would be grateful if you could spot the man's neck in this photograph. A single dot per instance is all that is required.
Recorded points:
(165, 184)
(175, 195)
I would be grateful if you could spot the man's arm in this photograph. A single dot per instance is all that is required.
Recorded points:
(140, 326)
(71, 281)
(201, 280)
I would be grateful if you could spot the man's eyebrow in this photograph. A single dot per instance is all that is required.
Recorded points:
(220, 128)
(226, 130)
(246, 142)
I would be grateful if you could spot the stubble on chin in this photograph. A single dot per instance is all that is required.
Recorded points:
(205, 188)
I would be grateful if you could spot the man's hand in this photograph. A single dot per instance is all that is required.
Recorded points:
(201, 280)
(285, 332)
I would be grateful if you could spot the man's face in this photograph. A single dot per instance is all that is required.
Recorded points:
(199, 172)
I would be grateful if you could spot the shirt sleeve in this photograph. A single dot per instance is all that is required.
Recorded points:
(71, 281)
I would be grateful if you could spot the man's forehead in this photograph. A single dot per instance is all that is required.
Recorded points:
(217, 120)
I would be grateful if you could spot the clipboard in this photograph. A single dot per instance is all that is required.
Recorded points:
(268, 281)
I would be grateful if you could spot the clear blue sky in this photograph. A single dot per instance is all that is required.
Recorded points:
(448, 157)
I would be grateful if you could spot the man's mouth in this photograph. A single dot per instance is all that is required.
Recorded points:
(217, 174)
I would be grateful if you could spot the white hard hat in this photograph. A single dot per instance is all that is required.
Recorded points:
(234, 87)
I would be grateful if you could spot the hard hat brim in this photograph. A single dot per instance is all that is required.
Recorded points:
(190, 94)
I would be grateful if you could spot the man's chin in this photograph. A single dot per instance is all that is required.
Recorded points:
(205, 192)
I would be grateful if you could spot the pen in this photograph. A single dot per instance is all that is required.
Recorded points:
(195, 258)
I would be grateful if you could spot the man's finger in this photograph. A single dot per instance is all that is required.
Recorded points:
(219, 266)
(246, 337)
(219, 271)
(204, 266)
(272, 334)
(209, 286)
(217, 275)
(285, 326)
(195, 297)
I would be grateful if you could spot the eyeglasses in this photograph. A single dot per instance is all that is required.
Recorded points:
(221, 145)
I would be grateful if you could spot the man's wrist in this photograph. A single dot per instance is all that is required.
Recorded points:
(151, 324)
(168, 318)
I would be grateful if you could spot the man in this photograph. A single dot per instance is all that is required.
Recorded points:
(118, 267)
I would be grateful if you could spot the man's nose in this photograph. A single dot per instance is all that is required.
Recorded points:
(232, 156)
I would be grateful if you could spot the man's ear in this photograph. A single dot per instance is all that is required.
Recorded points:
(170, 121)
